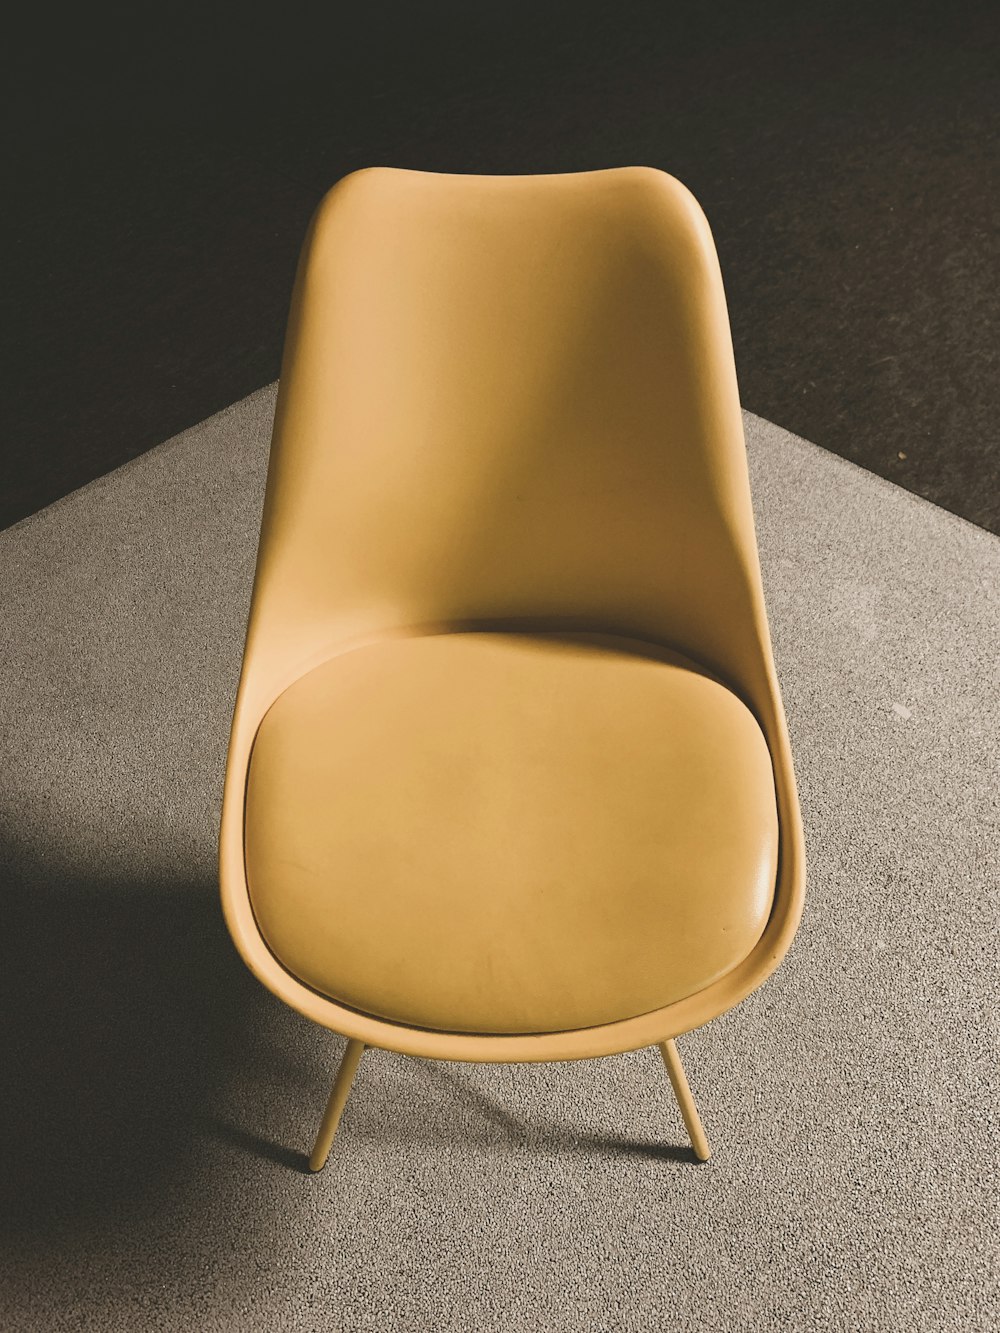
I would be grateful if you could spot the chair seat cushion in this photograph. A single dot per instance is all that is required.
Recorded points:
(509, 833)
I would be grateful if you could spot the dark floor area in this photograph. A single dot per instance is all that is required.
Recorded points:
(159, 182)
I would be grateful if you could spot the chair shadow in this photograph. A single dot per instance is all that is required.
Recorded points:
(661, 1152)
(126, 1014)
(256, 1145)
(520, 1134)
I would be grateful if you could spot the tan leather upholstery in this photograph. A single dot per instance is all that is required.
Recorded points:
(482, 832)
(509, 404)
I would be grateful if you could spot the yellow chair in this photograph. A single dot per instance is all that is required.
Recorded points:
(509, 776)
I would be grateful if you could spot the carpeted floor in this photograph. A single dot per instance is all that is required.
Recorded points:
(157, 1101)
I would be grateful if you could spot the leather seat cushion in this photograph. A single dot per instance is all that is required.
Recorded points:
(509, 833)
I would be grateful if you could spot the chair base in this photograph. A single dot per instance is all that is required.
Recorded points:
(355, 1049)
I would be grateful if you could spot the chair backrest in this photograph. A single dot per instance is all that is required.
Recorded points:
(509, 399)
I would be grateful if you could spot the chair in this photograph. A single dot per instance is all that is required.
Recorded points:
(509, 777)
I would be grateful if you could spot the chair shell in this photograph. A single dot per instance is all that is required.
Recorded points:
(509, 403)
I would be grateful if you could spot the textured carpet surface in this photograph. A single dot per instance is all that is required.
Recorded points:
(157, 1101)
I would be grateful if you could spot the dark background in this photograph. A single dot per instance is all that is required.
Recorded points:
(160, 169)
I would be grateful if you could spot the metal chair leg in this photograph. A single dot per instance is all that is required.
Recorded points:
(335, 1106)
(685, 1101)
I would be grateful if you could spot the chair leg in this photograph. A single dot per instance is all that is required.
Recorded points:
(678, 1080)
(335, 1106)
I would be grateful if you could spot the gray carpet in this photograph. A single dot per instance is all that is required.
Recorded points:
(157, 1101)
